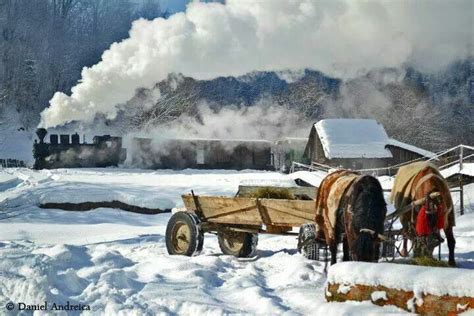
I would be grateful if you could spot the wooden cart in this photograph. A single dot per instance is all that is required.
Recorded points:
(237, 221)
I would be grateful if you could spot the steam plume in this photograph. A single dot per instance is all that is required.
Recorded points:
(261, 121)
(340, 38)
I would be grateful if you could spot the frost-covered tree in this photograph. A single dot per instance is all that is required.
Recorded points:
(44, 44)
(27, 91)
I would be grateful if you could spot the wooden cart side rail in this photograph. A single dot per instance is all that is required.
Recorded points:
(294, 209)
(221, 209)
(293, 213)
(253, 211)
(229, 211)
(241, 222)
(189, 203)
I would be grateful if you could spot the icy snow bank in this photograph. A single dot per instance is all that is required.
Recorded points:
(427, 280)
(6, 177)
(147, 189)
(269, 179)
(83, 193)
(8, 181)
(136, 276)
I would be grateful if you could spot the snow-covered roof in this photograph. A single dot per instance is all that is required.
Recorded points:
(311, 177)
(467, 170)
(423, 152)
(353, 138)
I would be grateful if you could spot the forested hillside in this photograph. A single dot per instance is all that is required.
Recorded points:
(428, 110)
(44, 45)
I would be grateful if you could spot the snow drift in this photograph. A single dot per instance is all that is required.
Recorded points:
(209, 40)
(118, 264)
(437, 281)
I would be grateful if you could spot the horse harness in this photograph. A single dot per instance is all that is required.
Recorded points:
(411, 228)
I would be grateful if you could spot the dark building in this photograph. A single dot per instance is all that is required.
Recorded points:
(201, 154)
(357, 144)
(66, 151)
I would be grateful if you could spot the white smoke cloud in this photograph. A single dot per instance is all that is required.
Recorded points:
(261, 121)
(340, 38)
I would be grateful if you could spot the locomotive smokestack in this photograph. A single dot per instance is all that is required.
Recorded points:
(41, 133)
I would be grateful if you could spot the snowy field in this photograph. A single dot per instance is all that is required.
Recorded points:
(117, 261)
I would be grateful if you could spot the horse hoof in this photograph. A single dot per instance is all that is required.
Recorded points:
(452, 263)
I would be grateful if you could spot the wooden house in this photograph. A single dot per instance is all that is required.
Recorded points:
(357, 144)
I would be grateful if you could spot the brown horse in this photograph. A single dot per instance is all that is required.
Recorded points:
(350, 208)
(414, 182)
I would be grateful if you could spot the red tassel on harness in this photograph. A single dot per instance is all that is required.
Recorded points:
(422, 224)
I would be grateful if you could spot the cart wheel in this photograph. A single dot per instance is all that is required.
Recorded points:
(307, 244)
(238, 244)
(184, 235)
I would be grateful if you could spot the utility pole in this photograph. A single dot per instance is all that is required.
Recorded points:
(461, 189)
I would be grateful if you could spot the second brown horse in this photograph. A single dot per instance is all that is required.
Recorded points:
(416, 181)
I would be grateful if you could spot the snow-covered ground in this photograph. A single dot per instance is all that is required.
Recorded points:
(117, 261)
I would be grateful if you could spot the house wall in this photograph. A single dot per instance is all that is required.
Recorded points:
(401, 155)
(314, 149)
(359, 163)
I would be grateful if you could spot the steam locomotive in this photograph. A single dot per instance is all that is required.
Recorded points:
(66, 151)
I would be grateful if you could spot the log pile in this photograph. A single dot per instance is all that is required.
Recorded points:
(412, 288)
